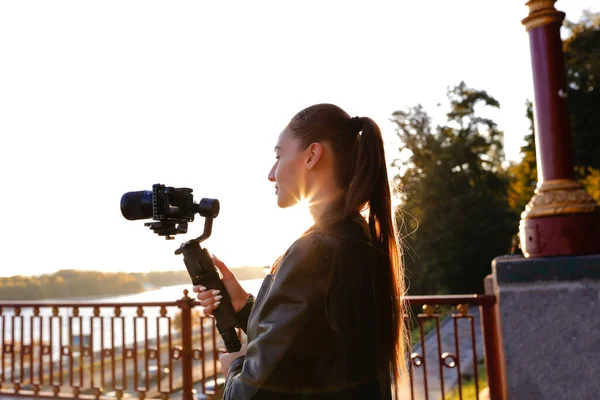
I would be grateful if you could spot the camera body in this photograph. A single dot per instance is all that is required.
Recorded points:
(171, 208)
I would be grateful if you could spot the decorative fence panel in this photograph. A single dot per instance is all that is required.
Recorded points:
(454, 342)
(170, 350)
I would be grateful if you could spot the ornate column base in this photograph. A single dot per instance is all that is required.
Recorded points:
(561, 219)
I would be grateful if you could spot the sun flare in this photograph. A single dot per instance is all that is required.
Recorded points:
(304, 204)
(301, 215)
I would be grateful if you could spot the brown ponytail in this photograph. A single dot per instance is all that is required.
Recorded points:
(361, 170)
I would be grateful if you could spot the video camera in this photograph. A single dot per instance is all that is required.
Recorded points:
(171, 209)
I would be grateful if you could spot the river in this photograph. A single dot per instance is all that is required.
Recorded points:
(168, 293)
(127, 327)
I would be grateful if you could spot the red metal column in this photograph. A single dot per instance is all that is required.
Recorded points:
(186, 341)
(561, 218)
(494, 364)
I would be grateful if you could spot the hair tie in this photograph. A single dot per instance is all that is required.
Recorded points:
(356, 124)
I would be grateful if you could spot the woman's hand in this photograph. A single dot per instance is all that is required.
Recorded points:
(227, 358)
(210, 299)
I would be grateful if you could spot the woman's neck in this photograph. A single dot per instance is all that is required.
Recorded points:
(321, 205)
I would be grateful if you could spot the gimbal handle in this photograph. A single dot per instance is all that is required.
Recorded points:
(202, 271)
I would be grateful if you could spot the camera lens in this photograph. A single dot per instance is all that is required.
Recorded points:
(137, 205)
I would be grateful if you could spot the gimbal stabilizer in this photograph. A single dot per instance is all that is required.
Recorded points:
(172, 208)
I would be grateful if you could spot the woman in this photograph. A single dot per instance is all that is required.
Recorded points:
(328, 320)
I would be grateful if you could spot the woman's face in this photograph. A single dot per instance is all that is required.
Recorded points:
(288, 172)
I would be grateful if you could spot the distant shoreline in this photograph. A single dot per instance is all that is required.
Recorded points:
(76, 285)
(102, 297)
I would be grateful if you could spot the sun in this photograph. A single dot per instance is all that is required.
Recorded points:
(300, 215)
(295, 220)
(304, 204)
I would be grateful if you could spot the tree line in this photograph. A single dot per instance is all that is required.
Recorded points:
(461, 198)
(69, 283)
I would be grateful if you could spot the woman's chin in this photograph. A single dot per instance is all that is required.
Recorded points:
(282, 202)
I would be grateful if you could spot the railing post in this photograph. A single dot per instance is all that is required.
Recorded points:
(490, 325)
(186, 342)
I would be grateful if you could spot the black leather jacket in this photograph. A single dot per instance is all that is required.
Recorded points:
(294, 352)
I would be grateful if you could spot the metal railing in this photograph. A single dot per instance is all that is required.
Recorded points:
(111, 350)
(169, 349)
(451, 343)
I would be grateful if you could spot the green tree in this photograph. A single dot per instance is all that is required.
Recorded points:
(455, 213)
(523, 175)
(582, 61)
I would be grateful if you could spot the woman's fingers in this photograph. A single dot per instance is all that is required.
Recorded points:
(198, 288)
(226, 272)
(211, 308)
(207, 294)
(209, 299)
(227, 358)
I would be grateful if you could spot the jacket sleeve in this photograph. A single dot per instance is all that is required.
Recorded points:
(298, 287)
(244, 313)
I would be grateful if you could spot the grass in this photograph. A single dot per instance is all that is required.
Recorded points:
(429, 324)
(415, 334)
(468, 384)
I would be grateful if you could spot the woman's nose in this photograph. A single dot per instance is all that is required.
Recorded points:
(271, 176)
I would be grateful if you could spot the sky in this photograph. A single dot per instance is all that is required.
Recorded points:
(99, 98)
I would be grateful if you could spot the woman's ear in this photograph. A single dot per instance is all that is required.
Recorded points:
(314, 153)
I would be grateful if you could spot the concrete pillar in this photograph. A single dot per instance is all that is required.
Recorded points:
(550, 319)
